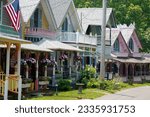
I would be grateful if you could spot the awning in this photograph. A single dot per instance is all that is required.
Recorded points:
(34, 48)
(56, 45)
(132, 60)
(4, 39)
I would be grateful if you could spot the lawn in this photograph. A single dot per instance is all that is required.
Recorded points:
(73, 95)
(86, 93)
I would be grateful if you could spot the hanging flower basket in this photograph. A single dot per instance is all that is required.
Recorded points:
(63, 57)
(78, 58)
(48, 62)
(45, 61)
(28, 61)
(53, 62)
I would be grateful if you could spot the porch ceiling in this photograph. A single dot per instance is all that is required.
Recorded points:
(6, 39)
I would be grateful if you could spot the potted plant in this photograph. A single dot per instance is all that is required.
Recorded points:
(44, 80)
(26, 82)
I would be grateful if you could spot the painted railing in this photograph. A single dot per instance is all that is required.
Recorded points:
(2, 83)
(39, 32)
(72, 37)
(13, 83)
(8, 30)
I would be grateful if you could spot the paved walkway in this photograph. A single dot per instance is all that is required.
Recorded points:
(139, 93)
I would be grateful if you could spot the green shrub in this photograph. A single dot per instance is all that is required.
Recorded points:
(110, 85)
(64, 85)
(93, 83)
(88, 72)
(104, 84)
(85, 82)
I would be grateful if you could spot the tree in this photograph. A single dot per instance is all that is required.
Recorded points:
(126, 12)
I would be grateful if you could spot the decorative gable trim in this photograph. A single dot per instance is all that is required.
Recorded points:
(136, 39)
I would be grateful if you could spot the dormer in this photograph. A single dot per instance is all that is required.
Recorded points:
(131, 39)
(119, 47)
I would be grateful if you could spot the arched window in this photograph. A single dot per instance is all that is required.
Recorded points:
(65, 25)
(36, 19)
(131, 44)
(116, 45)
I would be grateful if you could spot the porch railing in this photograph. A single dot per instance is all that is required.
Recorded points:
(2, 83)
(13, 83)
(72, 37)
(39, 32)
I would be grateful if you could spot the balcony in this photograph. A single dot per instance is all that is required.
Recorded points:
(39, 32)
(8, 30)
(71, 37)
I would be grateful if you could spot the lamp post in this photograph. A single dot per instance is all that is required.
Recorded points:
(102, 66)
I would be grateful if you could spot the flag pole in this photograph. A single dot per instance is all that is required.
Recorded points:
(102, 66)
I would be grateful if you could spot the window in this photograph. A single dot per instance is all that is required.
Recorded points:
(65, 25)
(36, 19)
(116, 46)
(131, 44)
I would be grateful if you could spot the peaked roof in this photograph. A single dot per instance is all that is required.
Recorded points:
(114, 34)
(27, 8)
(56, 45)
(128, 32)
(92, 16)
(59, 9)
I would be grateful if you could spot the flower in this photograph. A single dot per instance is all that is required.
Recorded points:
(28, 61)
(53, 62)
(46, 61)
(63, 57)
(78, 58)
(23, 62)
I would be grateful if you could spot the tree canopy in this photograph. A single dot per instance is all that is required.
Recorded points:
(127, 12)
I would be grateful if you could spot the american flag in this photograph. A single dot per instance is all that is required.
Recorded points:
(14, 13)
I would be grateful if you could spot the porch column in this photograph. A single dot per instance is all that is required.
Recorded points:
(95, 61)
(53, 77)
(127, 65)
(83, 62)
(27, 71)
(133, 65)
(118, 65)
(90, 56)
(37, 72)
(45, 72)
(70, 63)
(27, 67)
(141, 70)
(7, 71)
(18, 48)
(61, 67)
(77, 75)
(144, 70)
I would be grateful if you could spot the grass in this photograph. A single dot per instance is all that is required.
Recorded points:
(73, 95)
(86, 93)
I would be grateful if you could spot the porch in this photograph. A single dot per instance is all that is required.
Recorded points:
(137, 70)
(10, 82)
